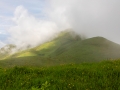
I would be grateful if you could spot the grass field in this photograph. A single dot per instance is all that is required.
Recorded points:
(104, 75)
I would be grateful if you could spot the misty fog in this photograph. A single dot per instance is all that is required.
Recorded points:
(88, 17)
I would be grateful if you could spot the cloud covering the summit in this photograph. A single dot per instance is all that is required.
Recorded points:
(31, 23)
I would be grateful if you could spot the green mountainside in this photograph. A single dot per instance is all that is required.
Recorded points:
(68, 47)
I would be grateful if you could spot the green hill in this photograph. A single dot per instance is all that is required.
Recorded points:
(68, 47)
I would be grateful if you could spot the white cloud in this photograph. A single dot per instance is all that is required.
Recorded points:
(2, 44)
(29, 30)
(2, 33)
(90, 17)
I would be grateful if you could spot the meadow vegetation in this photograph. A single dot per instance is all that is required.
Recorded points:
(104, 75)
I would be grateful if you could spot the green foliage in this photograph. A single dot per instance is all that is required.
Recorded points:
(44, 86)
(86, 76)
(33, 88)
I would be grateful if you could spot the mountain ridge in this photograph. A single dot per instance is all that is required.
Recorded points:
(66, 48)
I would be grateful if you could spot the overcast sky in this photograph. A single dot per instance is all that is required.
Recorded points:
(32, 22)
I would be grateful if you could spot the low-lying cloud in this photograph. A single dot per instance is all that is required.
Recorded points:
(88, 17)
(28, 30)
(2, 44)
(92, 17)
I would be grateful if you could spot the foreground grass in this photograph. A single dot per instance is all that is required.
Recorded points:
(87, 76)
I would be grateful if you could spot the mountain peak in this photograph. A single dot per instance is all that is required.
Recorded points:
(68, 47)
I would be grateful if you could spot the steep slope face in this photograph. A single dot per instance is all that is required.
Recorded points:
(67, 48)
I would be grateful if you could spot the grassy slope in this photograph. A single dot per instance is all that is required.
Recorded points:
(66, 48)
(86, 76)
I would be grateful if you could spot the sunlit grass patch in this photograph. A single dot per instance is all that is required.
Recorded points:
(25, 54)
(45, 46)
